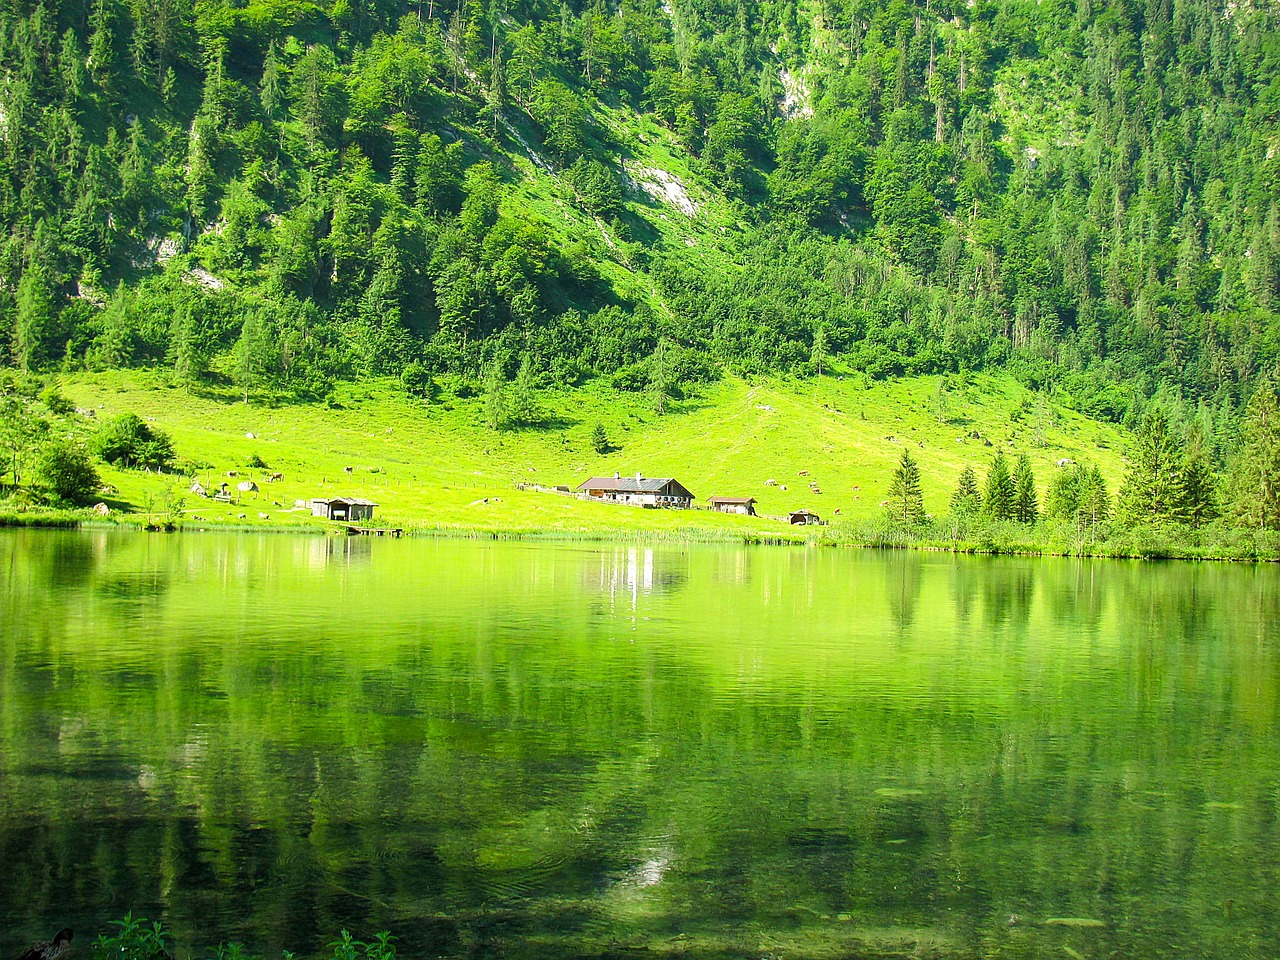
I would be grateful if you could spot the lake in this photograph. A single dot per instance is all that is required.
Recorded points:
(534, 750)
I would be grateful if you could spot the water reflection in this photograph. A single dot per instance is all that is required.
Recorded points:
(799, 752)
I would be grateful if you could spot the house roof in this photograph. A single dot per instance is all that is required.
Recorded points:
(634, 484)
(742, 500)
(348, 501)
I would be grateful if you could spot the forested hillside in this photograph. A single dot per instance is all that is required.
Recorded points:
(283, 192)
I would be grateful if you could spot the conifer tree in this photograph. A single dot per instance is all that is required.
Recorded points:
(495, 387)
(1152, 486)
(523, 407)
(1255, 474)
(600, 439)
(966, 501)
(1197, 485)
(1026, 508)
(998, 504)
(906, 499)
(36, 316)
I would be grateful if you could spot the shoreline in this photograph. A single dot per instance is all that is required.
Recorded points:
(1136, 544)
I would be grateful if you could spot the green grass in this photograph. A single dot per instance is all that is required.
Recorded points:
(436, 467)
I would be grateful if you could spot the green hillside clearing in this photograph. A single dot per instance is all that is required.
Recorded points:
(436, 467)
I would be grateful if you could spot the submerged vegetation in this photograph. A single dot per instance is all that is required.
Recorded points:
(136, 938)
(546, 752)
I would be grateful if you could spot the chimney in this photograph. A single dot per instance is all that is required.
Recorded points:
(638, 477)
(617, 475)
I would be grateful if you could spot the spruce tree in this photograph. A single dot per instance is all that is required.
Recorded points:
(523, 408)
(1026, 508)
(1152, 486)
(998, 503)
(600, 439)
(1255, 473)
(906, 499)
(495, 388)
(1197, 485)
(966, 501)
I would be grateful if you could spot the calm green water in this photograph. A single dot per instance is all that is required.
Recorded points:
(559, 751)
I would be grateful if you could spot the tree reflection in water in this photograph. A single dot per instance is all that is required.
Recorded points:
(538, 750)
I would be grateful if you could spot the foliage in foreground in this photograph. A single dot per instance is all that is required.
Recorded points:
(136, 938)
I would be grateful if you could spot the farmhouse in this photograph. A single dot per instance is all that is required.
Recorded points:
(349, 509)
(639, 491)
(743, 505)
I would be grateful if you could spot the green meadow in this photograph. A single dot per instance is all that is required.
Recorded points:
(828, 445)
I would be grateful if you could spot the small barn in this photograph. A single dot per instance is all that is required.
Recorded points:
(802, 517)
(639, 490)
(348, 509)
(743, 505)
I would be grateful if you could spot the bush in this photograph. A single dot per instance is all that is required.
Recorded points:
(126, 441)
(417, 380)
(634, 377)
(55, 402)
(67, 472)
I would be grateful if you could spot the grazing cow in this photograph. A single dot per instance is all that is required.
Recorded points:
(232, 473)
(348, 469)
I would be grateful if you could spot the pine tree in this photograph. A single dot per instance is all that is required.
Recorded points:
(998, 504)
(600, 439)
(967, 499)
(818, 357)
(1151, 491)
(523, 408)
(495, 387)
(1197, 485)
(1026, 508)
(659, 384)
(1255, 474)
(1094, 502)
(271, 94)
(906, 499)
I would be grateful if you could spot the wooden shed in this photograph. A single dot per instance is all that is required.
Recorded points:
(743, 505)
(640, 491)
(348, 509)
(801, 517)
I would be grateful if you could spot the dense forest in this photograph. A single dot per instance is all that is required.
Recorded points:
(280, 192)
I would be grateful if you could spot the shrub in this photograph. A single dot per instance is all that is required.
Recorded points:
(127, 441)
(417, 381)
(67, 472)
(55, 402)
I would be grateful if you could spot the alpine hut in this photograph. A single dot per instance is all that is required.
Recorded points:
(639, 491)
(743, 505)
(349, 509)
(803, 517)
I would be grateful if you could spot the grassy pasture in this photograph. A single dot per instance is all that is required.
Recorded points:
(436, 466)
